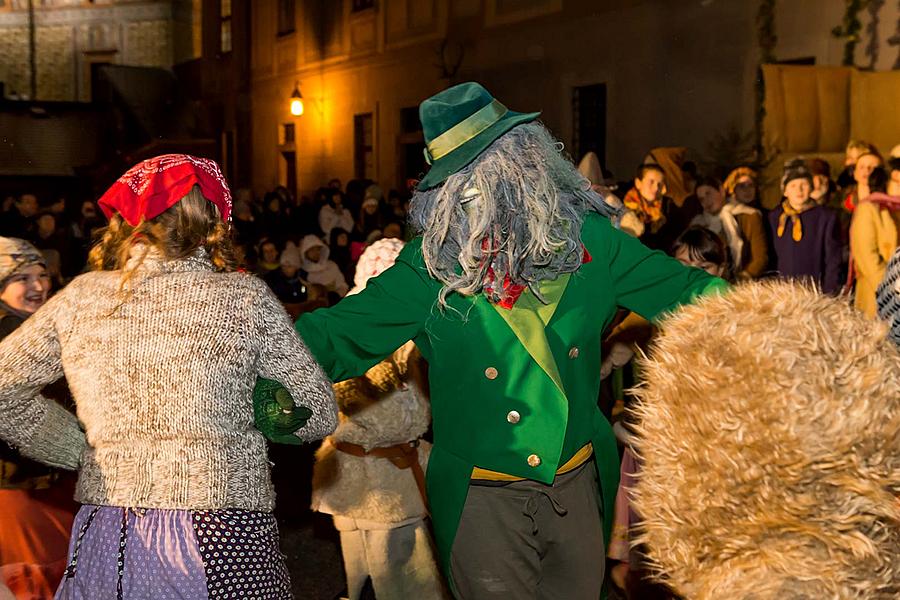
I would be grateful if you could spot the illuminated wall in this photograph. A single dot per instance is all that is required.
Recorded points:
(678, 72)
(72, 34)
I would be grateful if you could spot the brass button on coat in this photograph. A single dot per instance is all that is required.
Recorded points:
(573, 352)
(534, 460)
(491, 373)
(513, 416)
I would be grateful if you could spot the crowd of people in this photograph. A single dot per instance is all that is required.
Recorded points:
(502, 227)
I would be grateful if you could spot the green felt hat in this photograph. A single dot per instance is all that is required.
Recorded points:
(459, 124)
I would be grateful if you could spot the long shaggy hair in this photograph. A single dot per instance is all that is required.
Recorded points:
(769, 430)
(529, 212)
(192, 223)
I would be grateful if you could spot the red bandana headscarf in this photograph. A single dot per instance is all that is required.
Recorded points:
(153, 186)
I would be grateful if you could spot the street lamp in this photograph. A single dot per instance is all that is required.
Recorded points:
(296, 101)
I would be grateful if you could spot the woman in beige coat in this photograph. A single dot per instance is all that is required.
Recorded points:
(873, 239)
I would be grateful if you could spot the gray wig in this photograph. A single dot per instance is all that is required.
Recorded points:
(523, 196)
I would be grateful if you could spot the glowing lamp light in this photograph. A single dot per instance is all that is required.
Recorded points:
(296, 101)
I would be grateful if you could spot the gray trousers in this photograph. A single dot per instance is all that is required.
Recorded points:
(527, 540)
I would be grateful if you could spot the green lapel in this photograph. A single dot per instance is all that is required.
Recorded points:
(528, 319)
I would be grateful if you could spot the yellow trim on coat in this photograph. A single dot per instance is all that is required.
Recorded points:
(582, 456)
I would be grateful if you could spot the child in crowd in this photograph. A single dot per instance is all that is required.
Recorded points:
(370, 474)
(739, 224)
(267, 253)
(319, 269)
(334, 213)
(806, 236)
(823, 186)
(286, 282)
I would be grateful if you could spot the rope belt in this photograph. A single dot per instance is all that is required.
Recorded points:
(403, 456)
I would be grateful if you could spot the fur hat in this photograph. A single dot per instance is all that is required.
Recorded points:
(795, 169)
(15, 255)
(769, 430)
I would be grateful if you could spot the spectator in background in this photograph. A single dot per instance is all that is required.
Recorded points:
(273, 222)
(855, 149)
(244, 226)
(859, 190)
(823, 186)
(893, 169)
(318, 268)
(334, 213)
(663, 220)
(286, 282)
(873, 239)
(739, 224)
(335, 184)
(339, 245)
(646, 198)
(36, 506)
(81, 234)
(371, 217)
(394, 209)
(19, 221)
(393, 230)
(47, 235)
(304, 218)
(806, 236)
(267, 256)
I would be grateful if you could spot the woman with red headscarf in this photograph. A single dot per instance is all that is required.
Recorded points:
(161, 346)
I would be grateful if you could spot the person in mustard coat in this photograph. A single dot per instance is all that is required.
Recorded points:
(506, 292)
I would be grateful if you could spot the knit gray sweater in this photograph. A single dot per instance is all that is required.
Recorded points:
(163, 381)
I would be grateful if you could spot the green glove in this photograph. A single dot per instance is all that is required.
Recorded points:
(275, 414)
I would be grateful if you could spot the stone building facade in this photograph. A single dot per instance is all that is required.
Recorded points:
(73, 35)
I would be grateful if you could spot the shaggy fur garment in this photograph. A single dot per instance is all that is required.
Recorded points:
(769, 430)
(384, 407)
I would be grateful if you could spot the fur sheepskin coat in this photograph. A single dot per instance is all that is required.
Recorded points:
(384, 407)
(769, 430)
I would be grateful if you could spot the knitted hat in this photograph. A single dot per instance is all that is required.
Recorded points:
(290, 256)
(795, 169)
(374, 261)
(459, 124)
(15, 255)
(888, 297)
(151, 187)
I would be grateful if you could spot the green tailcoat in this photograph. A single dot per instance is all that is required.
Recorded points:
(506, 384)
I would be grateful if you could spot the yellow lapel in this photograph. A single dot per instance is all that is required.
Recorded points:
(529, 318)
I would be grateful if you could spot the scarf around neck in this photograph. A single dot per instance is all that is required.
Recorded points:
(794, 215)
(649, 211)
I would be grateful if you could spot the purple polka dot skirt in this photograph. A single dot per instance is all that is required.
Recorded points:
(130, 554)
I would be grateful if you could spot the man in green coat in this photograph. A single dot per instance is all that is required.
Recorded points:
(506, 292)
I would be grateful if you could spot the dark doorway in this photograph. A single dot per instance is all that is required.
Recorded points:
(290, 171)
(364, 146)
(589, 121)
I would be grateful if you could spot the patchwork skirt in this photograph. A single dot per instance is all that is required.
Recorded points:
(127, 554)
